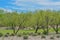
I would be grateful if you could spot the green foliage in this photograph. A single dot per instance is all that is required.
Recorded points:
(25, 33)
(45, 33)
(1, 34)
(30, 19)
(27, 20)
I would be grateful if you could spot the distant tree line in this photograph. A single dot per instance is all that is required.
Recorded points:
(43, 19)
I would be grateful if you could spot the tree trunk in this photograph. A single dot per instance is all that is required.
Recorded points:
(47, 20)
(36, 29)
(47, 30)
(57, 29)
(13, 28)
(17, 30)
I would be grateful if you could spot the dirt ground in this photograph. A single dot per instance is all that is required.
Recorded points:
(31, 38)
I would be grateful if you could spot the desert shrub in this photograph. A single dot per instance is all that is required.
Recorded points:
(34, 34)
(7, 34)
(58, 36)
(25, 37)
(43, 36)
(45, 32)
(30, 33)
(19, 35)
(51, 37)
(12, 34)
(38, 33)
(1, 34)
(24, 33)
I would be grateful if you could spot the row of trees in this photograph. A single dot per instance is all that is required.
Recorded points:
(43, 19)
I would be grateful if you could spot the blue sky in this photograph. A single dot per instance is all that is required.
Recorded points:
(29, 5)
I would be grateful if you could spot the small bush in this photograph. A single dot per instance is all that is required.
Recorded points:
(24, 33)
(25, 37)
(45, 33)
(30, 34)
(39, 33)
(58, 36)
(19, 35)
(1, 34)
(7, 34)
(12, 34)
(51, 37)
(34, 34)
(43, 36)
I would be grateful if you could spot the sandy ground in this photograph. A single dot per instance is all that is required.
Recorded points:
(30, 38)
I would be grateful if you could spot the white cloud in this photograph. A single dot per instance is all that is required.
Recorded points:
(40, 2)
(22, 2)
(6, 10)
(48, 4)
